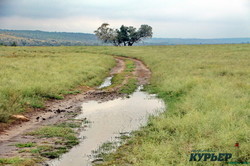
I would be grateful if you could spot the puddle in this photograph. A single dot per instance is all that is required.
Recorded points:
(108, 119)
(107, 82)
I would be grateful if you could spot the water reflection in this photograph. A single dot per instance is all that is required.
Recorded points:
(108, 119)
(107, 82)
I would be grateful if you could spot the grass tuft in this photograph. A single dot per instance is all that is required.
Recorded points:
(17, 162)
(25, 145)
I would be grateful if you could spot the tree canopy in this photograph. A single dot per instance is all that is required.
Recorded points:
(126, 36)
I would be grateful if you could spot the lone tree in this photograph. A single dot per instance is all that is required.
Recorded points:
(126, 36)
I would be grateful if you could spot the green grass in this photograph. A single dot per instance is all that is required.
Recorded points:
(118, 79)
(131, 84)
(206, 89)
(64, 139)
(130, 66)
(25, 145)
(70, 124)
(66, 135)
(30, 75)
(17, 162)
(55, 153)
(55, 131)
(129, 87)
(207, 92)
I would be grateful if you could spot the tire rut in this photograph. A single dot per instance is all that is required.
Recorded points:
(57, 111)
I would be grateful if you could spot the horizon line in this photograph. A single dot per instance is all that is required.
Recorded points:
(149, 38)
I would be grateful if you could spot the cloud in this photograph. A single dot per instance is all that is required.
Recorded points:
(83, 24)
(58, 8)
(180, 17)
(181, 9)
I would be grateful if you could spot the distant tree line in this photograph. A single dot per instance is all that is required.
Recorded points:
(41, 38)
(122, 36)
(125, 36)
(14, 44)
(12, 41)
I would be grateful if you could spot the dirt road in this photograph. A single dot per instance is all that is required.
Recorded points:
(57, 111)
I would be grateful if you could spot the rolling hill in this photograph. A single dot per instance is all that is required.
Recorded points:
(43, 38)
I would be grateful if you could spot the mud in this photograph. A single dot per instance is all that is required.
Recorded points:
(107, 120)
(57, 111)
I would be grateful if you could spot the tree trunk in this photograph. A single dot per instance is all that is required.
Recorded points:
(130, 43)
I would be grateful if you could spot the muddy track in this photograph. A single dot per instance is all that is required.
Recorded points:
(57, 111)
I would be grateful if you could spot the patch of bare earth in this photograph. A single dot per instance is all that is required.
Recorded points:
(57, 111)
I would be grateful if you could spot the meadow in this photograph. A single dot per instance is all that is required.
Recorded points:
(206, 89)
(31, 75)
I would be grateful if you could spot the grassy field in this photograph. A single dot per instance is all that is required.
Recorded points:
(28, 75)
(207, 92)
(206, 89)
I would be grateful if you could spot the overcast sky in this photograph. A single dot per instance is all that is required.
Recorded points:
(169, 18)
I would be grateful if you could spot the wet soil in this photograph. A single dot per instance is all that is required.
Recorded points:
(57, 111)
(109, 121)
